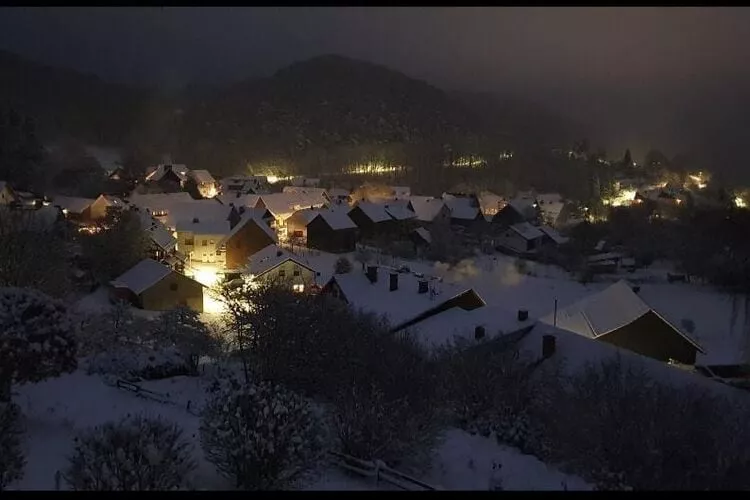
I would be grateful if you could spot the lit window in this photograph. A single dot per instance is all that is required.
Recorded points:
(298, 288)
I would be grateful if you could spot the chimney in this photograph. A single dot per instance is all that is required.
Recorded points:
(195, 220)
(548, 346)
(394, 282)
(423, 286)
(636, 289)
(523, 315)
(279, 253)
(372, 273)
(479, 332)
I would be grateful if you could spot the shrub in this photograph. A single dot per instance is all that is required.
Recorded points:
(342, 266)
(11, 454)
(140, 362)
(136, 454)
(36, 338)
(260, 436)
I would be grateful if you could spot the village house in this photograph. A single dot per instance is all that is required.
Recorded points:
(429, 210)
(490, 204)
(236, 212)
(283, 205)
(200, 240)
(421, 238)
(338, 196)
(102, 206)
(7, 194)
(169, 208)
(617, 315)
(245, 238)
(203, 183)
(400, 192)
(155, 287)
(325, 229)
(74, 209)
(240, 185)
(551, 207)
(404, 299)
(521, 238)
(464, 210)
(168, 178)
(372, 219)
(276, 265)
(163, 242)
(552, 237)
(519, 209)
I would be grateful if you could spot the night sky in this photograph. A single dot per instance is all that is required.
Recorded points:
(633, 73)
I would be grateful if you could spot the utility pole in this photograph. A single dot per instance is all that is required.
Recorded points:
(554, 321)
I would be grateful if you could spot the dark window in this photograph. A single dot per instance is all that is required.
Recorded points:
(205, 243)
(282, 273)
(173, 287)
(296, 272)
(218, 252)
(211, 242)
(190, 242)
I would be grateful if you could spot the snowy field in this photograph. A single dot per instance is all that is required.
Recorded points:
(56, 409)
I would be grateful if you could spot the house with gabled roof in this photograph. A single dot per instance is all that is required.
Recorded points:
(168, 177)
(429, 209)
(617, 315)
(403, 299)
(153, 286)
(203, 182)
(522, 208)
(244, 239)
(372, 219)
(75, 209)
(329, 230)
(277, 265)
(464, 210)
(551, 207)
(521, 238)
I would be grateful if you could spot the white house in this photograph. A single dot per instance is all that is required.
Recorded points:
(521, 238)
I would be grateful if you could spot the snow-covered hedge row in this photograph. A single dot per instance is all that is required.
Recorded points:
(261, 436)
(136, 454)
(137, 362)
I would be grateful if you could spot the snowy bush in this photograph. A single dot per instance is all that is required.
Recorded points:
(136, 454)
(36, 338)
(116, 327)
(342, 266)
(11, 453)
(260, 436)
(139, 362)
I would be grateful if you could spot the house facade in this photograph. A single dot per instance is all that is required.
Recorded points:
(155, 287)
(247, 237)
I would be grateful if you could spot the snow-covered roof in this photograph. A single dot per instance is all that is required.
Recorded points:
(527, 231)
(426, 207)
(444, 327)
(162, 236)
(159, 201)
(71, 204)
(554, 235)
(604, 312)
(551, 204)
(604, 256)
(202, 176)
(400, 192)
(398, 306)
(160, 171)
(238, 199)
(374, 211)
(309, 191)
(461, 207)
(337, 219)
(197, 225)
(270, 257)
(424, 234)
(142, 276)
(399, 210)
(248, 218)
(489, 201)
(112, 201)
(181, 209)
(523, 204)
(283, 205)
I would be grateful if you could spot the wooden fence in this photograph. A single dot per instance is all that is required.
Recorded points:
(379, 471)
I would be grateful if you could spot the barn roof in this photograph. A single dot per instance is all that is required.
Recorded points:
(142, 276)
(202, 176)
(374, 211)
(527, 231)
(426, 207)
(606, 311)
(461, 207)
(272, 256)
(248, 218)
(72, 204)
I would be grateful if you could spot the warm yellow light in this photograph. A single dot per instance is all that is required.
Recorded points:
(272, 179)
(298, 288)
(739, 202)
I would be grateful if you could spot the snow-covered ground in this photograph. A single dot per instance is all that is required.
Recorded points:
(56, 409)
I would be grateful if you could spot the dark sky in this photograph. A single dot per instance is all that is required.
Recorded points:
(631, 72)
